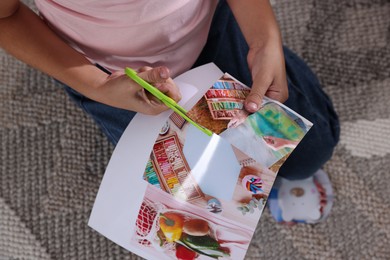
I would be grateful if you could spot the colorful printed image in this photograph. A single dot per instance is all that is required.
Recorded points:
(169, 170)
(209, 173)
(170, 229)
(193, 167)
(268, 135)
(195, 180)
(220, 104)
(225, 98)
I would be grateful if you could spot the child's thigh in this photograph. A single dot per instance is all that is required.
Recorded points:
(112, 121)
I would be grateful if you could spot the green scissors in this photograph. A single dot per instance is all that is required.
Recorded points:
(169, 102)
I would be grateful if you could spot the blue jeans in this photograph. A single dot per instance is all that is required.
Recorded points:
(226, 47)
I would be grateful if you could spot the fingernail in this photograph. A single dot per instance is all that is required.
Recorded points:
(164, 73)
(252, 106)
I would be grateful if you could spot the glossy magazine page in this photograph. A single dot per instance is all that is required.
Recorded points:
(172, 192)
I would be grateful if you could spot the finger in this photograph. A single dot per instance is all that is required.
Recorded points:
(150, 104)
(155, 75)
(259, 88)
(170, 89)
(144, 68)
(148, 98)
(156, 107)
(275, 93)
(279, 90)
(253, 101)
(158, 77)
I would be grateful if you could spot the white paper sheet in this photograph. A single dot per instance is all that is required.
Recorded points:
(122, 189)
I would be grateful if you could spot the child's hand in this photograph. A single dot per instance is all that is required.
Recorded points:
(265, 58)
(120, 91)
(268, 73)
(18, 23)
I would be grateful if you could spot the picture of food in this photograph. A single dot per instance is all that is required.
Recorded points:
(191, 234)
(196, 227)
(185, 233)
(171, 224)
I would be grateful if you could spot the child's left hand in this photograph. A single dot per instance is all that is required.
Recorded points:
(268, 73)
(265, 58)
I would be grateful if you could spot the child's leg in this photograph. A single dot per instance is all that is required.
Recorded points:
(227, 48)
(308, 99)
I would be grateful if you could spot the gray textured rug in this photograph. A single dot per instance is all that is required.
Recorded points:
(52, 157)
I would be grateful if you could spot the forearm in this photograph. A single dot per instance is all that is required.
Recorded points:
(25, 36)
(256, 20)
(265, 57)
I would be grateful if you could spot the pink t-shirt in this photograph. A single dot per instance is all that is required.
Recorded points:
(134, 33)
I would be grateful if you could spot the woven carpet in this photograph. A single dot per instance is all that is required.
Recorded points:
(53, 157)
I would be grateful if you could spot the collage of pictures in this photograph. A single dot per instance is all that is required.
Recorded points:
(205, 195)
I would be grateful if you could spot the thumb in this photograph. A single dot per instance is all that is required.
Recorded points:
(155, 75)
(253, 100)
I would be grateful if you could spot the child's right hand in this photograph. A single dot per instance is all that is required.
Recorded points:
(19, 24)
(118, 90)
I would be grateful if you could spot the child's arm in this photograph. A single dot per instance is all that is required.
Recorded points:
(266, 60)
(24, 35)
